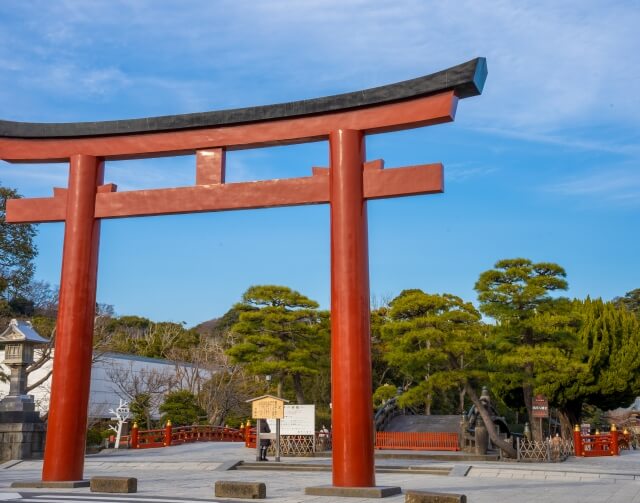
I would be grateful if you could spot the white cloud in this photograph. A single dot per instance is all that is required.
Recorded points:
(74, 80)
(462, 172)
(33, 180)
(611, 185)
(575, 142)
(151, 173)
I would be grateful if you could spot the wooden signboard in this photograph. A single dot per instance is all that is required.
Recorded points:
(267, 407)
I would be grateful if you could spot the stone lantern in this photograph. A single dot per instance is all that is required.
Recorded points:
(21, 429)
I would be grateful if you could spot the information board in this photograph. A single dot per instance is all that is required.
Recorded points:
(540, 406)
(298, 420)
(267, 408)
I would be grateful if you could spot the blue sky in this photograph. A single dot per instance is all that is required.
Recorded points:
(545, 164)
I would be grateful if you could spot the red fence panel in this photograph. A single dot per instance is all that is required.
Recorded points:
(602, 444)
(428, 441)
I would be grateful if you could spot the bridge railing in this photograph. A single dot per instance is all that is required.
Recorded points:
(170, 435)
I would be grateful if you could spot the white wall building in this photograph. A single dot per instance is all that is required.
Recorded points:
(115, 376)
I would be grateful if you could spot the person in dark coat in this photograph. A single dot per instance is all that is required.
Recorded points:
(264, 442)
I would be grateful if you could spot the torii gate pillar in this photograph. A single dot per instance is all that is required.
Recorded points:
(353, 459)
(64, 453)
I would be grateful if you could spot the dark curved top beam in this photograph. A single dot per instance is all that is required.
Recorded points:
(466, 80)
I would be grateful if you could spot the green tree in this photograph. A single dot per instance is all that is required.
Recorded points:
(281, 333)
(182, 408)
(531, 325)
(382, 372)
(141, 336)
(384, 393)
(17, 251)
(438, 343)
(434, 342)
(605, 371)
(140, 408)
(630, 301)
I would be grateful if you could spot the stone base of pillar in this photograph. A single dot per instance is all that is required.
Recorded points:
(21, 429)
(353, 492)
(50, 484)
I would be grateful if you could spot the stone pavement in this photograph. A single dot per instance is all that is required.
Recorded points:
(190, 471)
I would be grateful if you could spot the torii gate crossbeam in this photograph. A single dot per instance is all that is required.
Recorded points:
(343, 120)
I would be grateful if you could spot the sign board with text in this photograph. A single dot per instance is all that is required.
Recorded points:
(540, 406)
(298, 420)
(267, 407)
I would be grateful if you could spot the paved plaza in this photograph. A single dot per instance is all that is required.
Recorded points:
(188, 472)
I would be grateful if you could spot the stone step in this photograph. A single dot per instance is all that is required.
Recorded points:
(318, 467)
(437, 456)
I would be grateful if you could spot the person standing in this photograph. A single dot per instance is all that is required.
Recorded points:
(264, 442)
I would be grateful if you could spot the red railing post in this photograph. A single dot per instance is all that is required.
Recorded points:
(167, 433)
(577, 441)
(613, 434)
(247, 434)
(134, 436)
(627, 438)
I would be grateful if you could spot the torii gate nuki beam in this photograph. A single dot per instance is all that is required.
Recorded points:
(346, 185)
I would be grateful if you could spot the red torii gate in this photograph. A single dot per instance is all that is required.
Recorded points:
(346, 185)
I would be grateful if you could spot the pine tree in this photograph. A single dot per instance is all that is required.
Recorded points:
(17, 251)
(182, 408)
(437, 342)
(532, 335)
(281, 334)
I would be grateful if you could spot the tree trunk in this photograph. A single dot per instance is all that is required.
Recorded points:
(569, 416)
(534, 423)
(506, 446)
(461, 394)
(297, 386)
(527, 389)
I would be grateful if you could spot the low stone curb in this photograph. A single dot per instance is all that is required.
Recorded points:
(353, 492)
(430, 497)
(114, 485)
(239, 489)
(50, 484)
